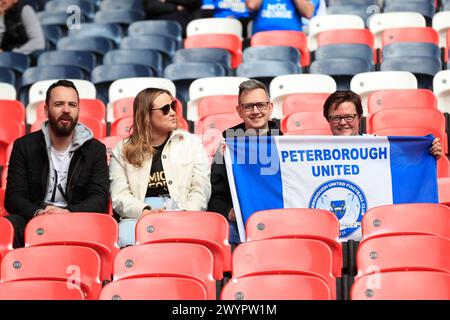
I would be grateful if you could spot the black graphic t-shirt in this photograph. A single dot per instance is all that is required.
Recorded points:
(157, 184)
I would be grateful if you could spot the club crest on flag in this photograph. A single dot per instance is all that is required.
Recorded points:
(343, 198)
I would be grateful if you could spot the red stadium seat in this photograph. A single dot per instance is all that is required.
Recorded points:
(217, 104)
(10, 130)
(400, 219)
(230, 42)
(347, 36)
(206, 228)
(13, 110)
(39, 290)
(314, 224)
(415, 131)
(296, 39)
(163, 259)
(410, 118)
(98, 130)
(122, 127)
(287, 256)
(444, 191)
(304, 120)
(277, 287)
(403, 253)
(217, 122)
(4, 177)
(443, 167)
(304, 102)
(165, 288)
(211, 127)
(95, 230)
(89, 108)
(400, 98)
(110, 142)
(407, 285)
(418, 34)
(2, 203)
(69, 264)
(6, 237)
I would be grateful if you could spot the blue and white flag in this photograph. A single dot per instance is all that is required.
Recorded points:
(345, 175)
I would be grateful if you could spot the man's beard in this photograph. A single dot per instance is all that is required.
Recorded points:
(59, 129)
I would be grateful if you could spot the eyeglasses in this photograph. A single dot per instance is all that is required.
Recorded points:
(347, 118)
(260, 105)
(166, 109)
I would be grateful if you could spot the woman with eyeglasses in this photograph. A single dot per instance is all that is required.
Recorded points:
(158, 167)
(343, 110)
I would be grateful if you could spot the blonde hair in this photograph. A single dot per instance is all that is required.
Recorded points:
(138, 147)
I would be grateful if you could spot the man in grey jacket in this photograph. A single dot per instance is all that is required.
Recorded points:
(59, 169)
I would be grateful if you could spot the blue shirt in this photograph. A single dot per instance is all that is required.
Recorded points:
(227, 8)
(279, 15)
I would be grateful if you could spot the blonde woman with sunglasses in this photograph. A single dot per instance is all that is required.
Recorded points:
(158, 167)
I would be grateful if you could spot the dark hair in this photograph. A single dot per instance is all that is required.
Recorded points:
(252, 84)
(60, 83)
(339, 97)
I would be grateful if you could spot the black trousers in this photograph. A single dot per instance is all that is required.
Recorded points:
(19, 229)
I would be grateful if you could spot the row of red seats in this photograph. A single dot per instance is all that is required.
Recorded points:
(405, 241)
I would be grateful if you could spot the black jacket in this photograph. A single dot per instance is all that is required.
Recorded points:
(28, 171)
(15, 34)
(220, 200)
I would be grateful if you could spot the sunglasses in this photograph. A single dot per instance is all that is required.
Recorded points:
(166, 109)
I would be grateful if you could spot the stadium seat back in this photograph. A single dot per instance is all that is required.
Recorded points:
(110, 143)
(214, 55)
(298, 223)
(40, 290)
(10, 130)
(64, 263)
(278, 53)
(150, 58)
(164, 288)
(366, 83)
(230, 42)
(304, 120)
(414, 218)
(277, 287)
(403, 253)
(18, 62)
(296, 39)
(166, 28)
(7, 91)
(304, 102)
(287, 256)
(7, 232)
(183, 74)
(163, 259)
(346, 50)
(98, 45)
(205, 228)
(323, 23)
(110, 31)
(283, 86)
(82, 59)
(94, 230)
(389, 20)
(444, 190)
(407, 285)
(341, 69)
(214, 26)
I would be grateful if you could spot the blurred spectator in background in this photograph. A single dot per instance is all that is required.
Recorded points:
(228, 9)
(20, 29)
(280, 14)
(181, 11)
